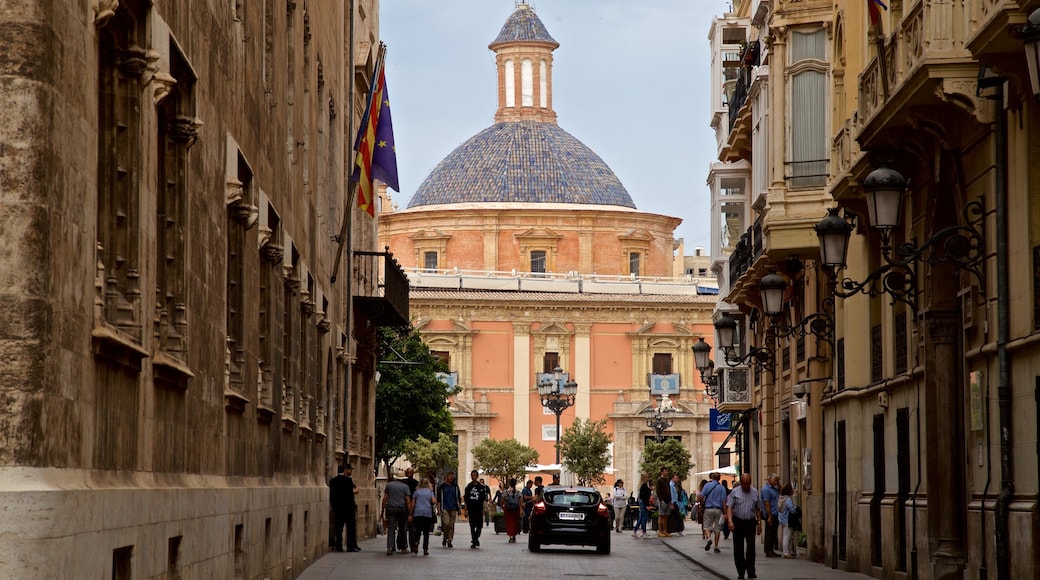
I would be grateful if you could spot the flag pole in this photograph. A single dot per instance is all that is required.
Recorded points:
(344, 231)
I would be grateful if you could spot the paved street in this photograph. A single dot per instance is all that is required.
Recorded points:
(675, 557)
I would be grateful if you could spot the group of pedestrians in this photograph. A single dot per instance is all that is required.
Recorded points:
(745, 509)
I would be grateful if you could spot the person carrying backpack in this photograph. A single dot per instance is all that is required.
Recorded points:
(510, 503)
(790, 517)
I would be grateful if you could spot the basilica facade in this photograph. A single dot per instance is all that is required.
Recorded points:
(526, 253)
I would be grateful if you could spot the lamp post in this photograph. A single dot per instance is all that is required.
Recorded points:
(1029, 33)
(820, 324)
(660, 418)
(557, 396)
(701, 359)
(963, 245)
(726, 326)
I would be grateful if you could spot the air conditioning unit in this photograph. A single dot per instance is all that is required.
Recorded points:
(734, 389)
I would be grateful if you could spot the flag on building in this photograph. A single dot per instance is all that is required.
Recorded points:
(376, 156)
(875, 7)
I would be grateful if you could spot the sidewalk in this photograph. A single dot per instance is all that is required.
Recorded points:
(691, 547)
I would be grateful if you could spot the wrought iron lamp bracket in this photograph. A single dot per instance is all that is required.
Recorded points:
(761, 358)
(962, 245)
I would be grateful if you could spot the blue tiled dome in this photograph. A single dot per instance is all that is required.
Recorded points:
(522, 162)
(523, 26)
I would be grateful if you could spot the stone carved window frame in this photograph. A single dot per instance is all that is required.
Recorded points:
(430, 241)
(635, 242)
(536, 239)
(175, 98)
(551, 337)
(646, 343)
(458, 343)
(123, 69)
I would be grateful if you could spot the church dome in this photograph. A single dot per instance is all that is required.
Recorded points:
(523, 26)
(522, 162)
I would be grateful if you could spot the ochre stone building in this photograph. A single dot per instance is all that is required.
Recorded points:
(177, 380)
(525, 252)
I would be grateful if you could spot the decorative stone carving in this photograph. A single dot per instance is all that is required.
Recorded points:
(232, 191)
(104, 10)
(133, 62)
(323, 324)
(184, 129)
(307, 305)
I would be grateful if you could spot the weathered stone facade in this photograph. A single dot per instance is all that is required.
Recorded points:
(176, 357)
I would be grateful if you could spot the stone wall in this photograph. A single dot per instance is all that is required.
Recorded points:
(172, 179)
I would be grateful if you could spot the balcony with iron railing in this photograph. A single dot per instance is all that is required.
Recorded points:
(748, 250)
(923, 66)
(381, 288)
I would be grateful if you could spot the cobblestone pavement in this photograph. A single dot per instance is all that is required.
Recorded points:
(630, 558)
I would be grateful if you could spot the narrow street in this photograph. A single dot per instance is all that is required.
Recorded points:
(496, 558)
(642, 559)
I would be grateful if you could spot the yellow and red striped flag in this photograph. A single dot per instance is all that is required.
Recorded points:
(376, 156)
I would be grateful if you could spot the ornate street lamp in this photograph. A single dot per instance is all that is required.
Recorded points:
(961, 244)
(557, 396)
(820, 324)
(660, 418)
(726, 327)
(702, 360)
(1029, 33)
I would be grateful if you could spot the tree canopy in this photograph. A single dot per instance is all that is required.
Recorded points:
(504, 460)
(670, 453)
(430, 457)
(410, 400)
(585, 449)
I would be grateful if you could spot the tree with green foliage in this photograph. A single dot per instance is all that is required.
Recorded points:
(410, 400)
(430, 457)
(504, 459)
(670, 453)
(585, 450)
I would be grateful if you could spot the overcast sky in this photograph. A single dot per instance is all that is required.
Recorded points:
(630, 80)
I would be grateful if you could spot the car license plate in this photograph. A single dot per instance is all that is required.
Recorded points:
(571, 516)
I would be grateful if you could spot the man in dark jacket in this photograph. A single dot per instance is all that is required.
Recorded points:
(449, 502)
(344, 508)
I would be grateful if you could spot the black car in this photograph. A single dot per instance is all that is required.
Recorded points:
(571, 516)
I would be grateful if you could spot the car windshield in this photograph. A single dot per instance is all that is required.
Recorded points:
(570, 497)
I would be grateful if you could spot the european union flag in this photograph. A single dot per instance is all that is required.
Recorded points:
(384, 157)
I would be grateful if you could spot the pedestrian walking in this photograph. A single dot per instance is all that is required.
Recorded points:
(677, 518)
(413, 538)
(770, 501)
(487, 506)
(449, 501)
(509, 500)
(619, 500)
(423, 503)
(784, 516)
(725, 521)
(645, 491)
(527, 503)
(344, 508)
(397, 507)
(713, 498)
(743, 512)
(663, 489)
(476, 499)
